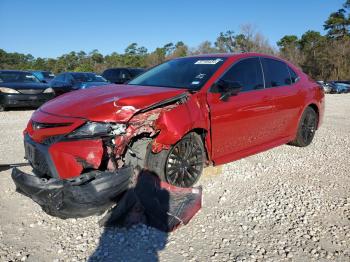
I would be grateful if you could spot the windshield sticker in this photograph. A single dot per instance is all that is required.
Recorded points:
(208, 62)
(195, 83)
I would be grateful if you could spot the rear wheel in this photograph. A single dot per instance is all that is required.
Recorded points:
(181, 165)
(306, 129)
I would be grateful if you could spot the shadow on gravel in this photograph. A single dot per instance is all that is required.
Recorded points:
(129, 234)
(136, 229)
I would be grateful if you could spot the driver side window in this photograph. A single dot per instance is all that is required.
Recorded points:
(247, 73)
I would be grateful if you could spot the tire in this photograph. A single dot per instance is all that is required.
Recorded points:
(306, 128)
(2, 108)
(181, 165)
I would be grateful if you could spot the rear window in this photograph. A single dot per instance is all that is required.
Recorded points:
(135, 71)
(276, 73)
(111, 73)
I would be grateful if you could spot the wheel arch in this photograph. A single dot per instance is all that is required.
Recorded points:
(204, 134)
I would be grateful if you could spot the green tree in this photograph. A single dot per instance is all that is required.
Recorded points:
(338, 23)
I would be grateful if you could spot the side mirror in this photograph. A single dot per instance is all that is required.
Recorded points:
(228, 88)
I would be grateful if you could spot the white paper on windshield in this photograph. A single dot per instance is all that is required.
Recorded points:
(208, 62)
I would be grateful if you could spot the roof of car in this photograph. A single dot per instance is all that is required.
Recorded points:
(15, 71)
(40, 71)
(79, 73)
(125, 68)
(232, 55)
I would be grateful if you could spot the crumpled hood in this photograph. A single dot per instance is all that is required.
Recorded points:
(112, 103)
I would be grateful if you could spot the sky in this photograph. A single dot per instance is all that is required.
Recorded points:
(48, 28)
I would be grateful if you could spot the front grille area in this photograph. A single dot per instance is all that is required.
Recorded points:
(30, 91)
(36, 159)
(52, 139)
(40, 164)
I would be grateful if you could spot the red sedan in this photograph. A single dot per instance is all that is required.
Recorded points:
(173, 120)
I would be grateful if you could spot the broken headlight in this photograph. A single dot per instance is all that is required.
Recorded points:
(93, 129)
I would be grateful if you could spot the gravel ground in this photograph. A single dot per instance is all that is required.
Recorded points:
(284, 204)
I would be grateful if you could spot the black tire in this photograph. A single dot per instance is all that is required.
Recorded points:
(181, 165)
(2, 108)
(306, 128)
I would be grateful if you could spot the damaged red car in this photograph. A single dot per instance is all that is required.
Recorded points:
(173, 120)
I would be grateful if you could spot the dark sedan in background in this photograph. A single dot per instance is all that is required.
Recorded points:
(70, 81)
(44, 76)
(121, 75)
(22, 89)
(339, 87)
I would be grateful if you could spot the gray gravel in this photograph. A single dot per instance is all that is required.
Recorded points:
(284, 204)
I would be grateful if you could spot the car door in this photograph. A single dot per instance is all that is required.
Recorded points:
(59, 84)
(288, 98)
(242, 122)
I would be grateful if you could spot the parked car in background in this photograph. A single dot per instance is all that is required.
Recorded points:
(69, 81)
(22, 89)
(121, 75)
(339, 87)
(325, 86)
(44, 76)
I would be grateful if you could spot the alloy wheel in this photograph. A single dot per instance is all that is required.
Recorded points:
(309, 127)
(185, 163)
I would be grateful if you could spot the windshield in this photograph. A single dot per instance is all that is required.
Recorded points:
(48, 74)
(18, 77)
(190, 73)
(88, 77)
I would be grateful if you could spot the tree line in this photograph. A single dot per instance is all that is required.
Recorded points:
(324, 57)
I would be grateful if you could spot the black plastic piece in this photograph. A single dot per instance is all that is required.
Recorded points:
(154, 203)
(89, 194)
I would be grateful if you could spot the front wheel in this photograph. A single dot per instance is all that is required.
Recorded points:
(181, 165)
(306, 129)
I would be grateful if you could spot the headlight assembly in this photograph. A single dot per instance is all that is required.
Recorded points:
(7, 90)
(48, 90)
(96, 129)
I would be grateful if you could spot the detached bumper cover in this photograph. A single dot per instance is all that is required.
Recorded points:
(89, 194)
(154, 203)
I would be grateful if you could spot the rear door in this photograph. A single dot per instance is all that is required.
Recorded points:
(283, 85)
(243, 121)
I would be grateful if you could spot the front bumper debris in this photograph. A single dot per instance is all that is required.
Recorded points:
(154, 203)
(89, 194)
